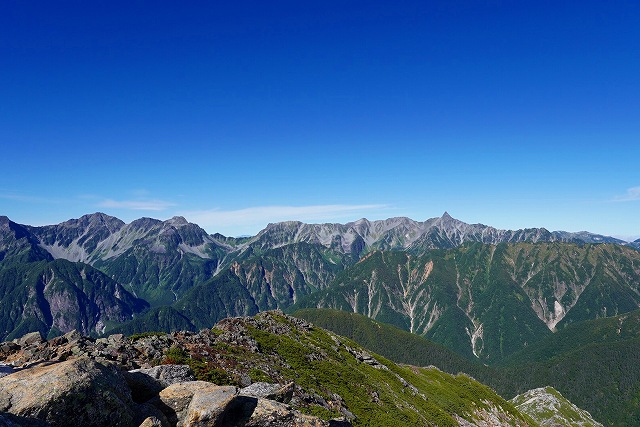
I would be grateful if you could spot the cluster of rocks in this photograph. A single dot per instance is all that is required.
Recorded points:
(119, 381)
(82, 391)
(116, 349)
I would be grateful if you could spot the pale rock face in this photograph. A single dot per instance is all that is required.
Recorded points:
(174, 400)
(549, 408)
(206, 408)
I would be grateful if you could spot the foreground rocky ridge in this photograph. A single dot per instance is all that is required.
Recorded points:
(269, 370)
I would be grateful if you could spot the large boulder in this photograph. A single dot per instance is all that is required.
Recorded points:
(194, 403)
(75, 392)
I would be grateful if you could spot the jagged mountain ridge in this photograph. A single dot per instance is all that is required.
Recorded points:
(99, 236)
(403, 233)
(123, 250)
(162, 261)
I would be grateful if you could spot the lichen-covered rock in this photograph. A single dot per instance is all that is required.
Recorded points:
(29, 339)
(75, 392)
(151, 422)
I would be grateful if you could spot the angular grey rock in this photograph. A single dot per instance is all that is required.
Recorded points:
(149, 415)
(72, 336)
(76, 392)
(270, 391)
(175, 400)
(207, 407)
(151, 422)
(147, 383)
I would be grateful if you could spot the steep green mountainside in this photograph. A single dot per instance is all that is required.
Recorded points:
(604, 331)
(57, 296)
(596, 364)
(340, 378)
(603, 378)
(18, 245)
(278, 277)
(488, 301)
(391, 342)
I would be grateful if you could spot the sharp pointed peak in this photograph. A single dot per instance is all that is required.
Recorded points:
(178, 220)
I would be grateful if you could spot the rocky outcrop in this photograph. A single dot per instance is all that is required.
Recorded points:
(76, 392)
(115, 349)
(549, 408)
(76, 380)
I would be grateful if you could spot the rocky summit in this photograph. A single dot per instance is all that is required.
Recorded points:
(266, 370)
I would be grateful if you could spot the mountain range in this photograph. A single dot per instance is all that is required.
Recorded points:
(490, 296)
(441, 278)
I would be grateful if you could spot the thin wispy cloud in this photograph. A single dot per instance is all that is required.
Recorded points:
(261, 215)
(137, 205)
(633, 194)
(26, 199)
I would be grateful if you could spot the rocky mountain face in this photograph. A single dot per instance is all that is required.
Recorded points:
(57, 296)
(407, 234)
(157, 260)
(488, 301)
(267, 370)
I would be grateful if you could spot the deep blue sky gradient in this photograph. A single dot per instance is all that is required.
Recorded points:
(513, 114)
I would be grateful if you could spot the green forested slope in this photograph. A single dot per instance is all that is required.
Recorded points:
(594, 364)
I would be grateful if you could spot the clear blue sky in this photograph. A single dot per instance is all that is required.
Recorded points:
(235, 114)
